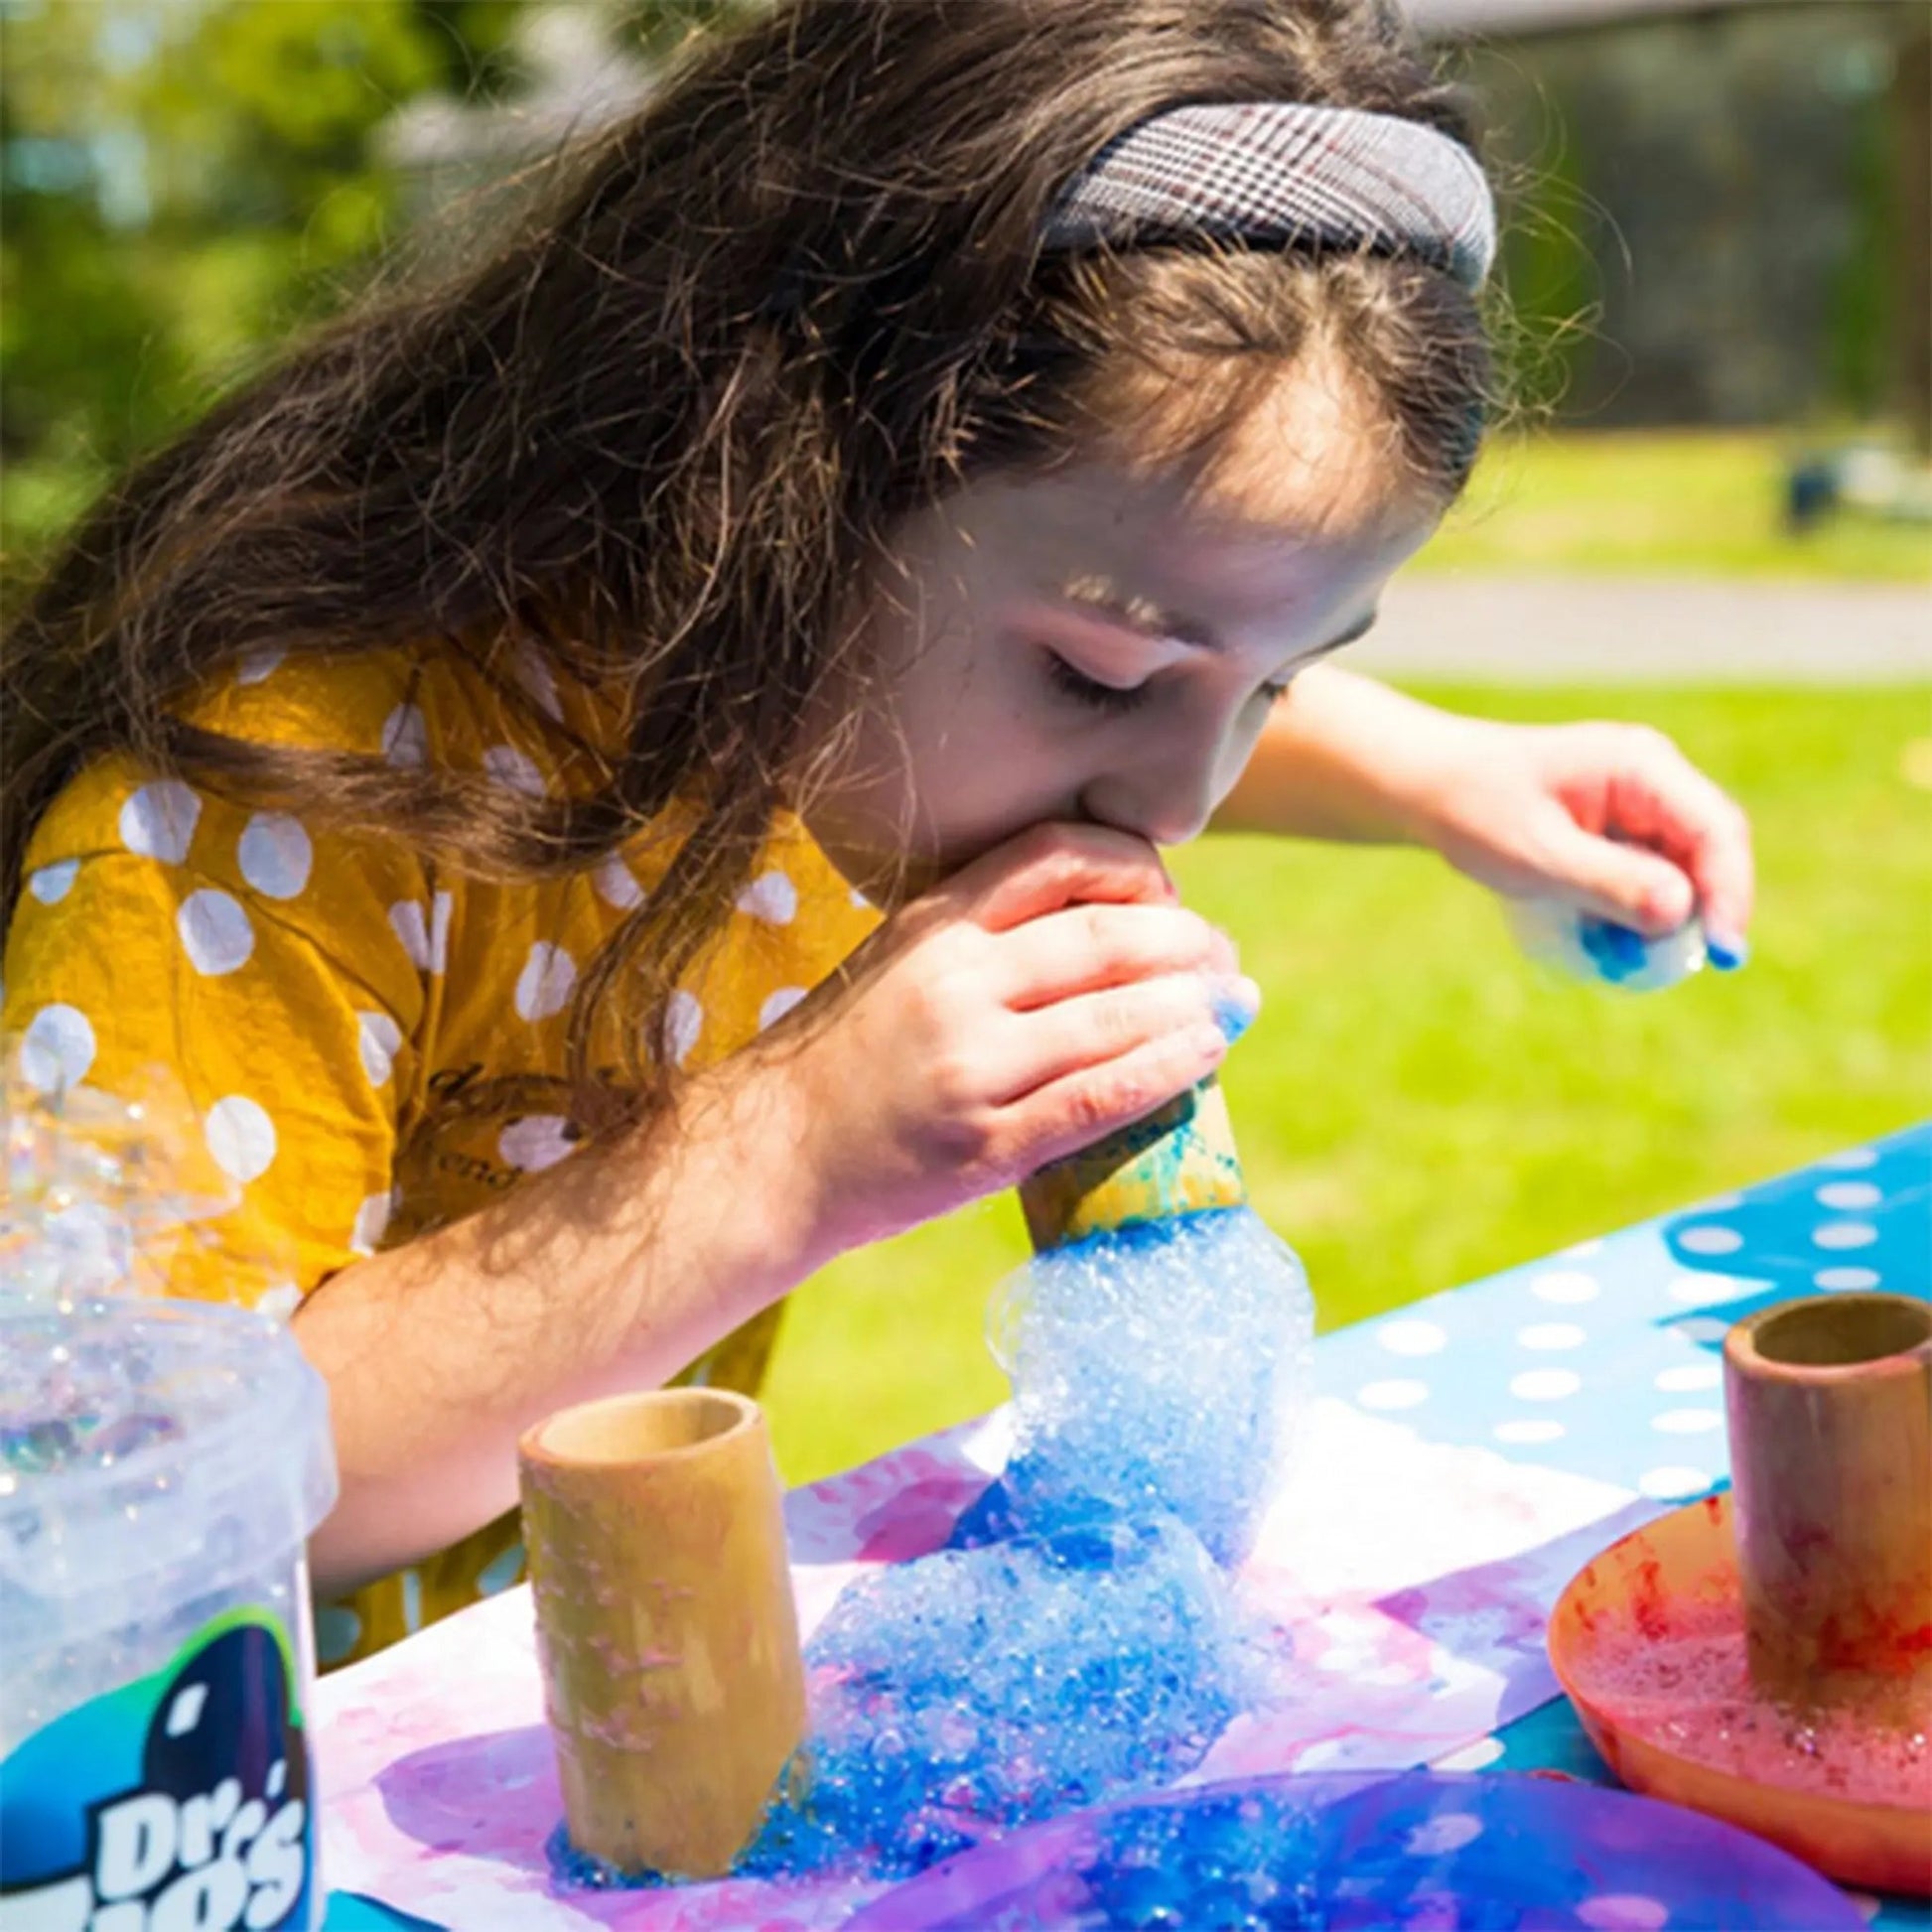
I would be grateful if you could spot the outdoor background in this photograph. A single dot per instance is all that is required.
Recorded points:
(1716, 517)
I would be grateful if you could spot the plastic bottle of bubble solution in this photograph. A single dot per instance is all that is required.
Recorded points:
(161, 1465)
(1583, 947)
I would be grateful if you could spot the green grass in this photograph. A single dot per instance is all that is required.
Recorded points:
(1418, 1108)
(1667, 503)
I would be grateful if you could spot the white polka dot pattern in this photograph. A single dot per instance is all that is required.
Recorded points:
(371, 1219)
(57, 1050)
(158, 821)
(536, 1142)
(1545, 1384)
(1686, 1422)
(214, 932)
(241, 1138)
(259, 666)
(778, 1003)
(772, 897)
(378, 1038)
(1447, 1832)
(515, 771)
(1845, 1234)
(683, 1023)
(52, 884)
(1564, 1286)
(1688, 1377)
(1712, 1240)
(405, 736)
(544, 985)
(275, 855)
(617, 887)
(425, 940)
(1412, 1338)
(1624, 1911)
(1847, 1278)
(1849, 1194)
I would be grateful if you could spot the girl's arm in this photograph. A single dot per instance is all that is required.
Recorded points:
(1342, 757)
(1044, 995)
(605, 1273)
(1609, 817)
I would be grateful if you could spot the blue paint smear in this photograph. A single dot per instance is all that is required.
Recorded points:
(1423, 1851)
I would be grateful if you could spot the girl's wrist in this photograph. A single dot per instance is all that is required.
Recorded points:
(1401, 765)
(746, 1127)
(1430, 785)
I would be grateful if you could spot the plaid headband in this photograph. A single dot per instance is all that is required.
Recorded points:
(1281, 173)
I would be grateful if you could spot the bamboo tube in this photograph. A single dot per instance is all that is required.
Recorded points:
(665, 1624)
(1829, 1409)
(1177, 1160)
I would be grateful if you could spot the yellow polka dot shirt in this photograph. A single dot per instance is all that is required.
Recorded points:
(367, 1044)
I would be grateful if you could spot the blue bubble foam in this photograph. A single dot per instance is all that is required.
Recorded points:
(1079, 1640)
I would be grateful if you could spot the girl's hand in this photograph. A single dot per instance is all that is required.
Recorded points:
(1046, 994)
(1611, 818)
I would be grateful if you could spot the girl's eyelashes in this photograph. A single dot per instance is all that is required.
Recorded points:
(1089, 691)
(1115, 698)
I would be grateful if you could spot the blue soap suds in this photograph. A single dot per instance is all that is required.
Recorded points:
(980, 1690)
(1079, 1639)
(1160, 1369)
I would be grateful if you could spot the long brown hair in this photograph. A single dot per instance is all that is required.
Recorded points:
(664, 430)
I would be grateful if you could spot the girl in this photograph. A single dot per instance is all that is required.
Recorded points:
(917, 466)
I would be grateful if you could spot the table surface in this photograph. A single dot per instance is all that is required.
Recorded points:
(1463, 1458)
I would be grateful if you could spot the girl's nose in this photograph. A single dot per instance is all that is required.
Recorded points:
(1164, 807)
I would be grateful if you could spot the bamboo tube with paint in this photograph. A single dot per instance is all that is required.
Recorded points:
(669, 1638)
(1830, 1410)
(1176, 1161)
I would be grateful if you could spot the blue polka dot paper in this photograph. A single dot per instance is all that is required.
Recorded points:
(1604, 1361)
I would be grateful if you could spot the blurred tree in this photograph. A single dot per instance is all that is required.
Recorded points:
(183, 182)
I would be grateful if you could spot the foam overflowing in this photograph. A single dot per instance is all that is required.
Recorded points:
(981, 1689)
(1079, 1640)
(1158, 1369)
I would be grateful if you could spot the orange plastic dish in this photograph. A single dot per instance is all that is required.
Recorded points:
(1647, 1641)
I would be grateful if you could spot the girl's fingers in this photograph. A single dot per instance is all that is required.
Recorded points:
(1621, 882)
(1073, 1112)
(1705, 833)
(1085, 948)
(1053, 865)
(1093, 1029)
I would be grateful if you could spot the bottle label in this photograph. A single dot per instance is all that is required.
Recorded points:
(181, 1800)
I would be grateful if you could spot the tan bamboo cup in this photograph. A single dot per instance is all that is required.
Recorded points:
(1829, 1409)
(665, 1624)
